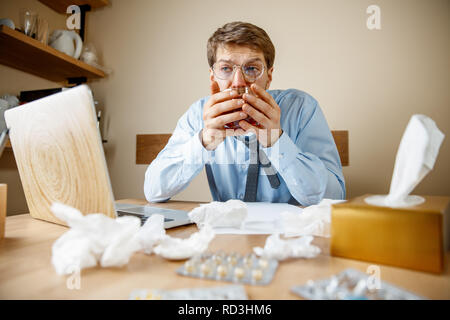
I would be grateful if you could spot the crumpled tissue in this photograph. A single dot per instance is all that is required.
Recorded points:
(97, 238)
(220, 214)
(279, 249)
(314, 220)
(177, 249)
(415, 158)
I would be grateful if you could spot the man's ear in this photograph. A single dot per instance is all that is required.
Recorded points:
(211, 75)
(269, 77)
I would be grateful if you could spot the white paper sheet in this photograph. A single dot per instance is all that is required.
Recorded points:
(262, 218)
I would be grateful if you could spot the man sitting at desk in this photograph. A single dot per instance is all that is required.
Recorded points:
(279, 149)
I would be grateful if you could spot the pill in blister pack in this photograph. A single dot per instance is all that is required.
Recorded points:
(231, 292)
(351, 284)
(232, 267)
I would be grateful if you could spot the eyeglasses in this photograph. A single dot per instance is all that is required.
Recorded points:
(252, 71)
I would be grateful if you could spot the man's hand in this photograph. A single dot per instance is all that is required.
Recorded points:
(266, 112)
(214, 131)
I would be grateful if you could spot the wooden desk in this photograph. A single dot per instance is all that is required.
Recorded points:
(26, 271)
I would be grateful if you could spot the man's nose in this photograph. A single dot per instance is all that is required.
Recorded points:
(238, 79)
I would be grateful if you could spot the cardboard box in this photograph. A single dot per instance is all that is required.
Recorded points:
(415, 238)
(2, 210)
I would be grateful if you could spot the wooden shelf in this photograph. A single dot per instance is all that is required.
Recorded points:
(61, 5)
(27, 54)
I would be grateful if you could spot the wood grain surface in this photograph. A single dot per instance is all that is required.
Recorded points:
(341, 140)
(59, 154)
(149, 145)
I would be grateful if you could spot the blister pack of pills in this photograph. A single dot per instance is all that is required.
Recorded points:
(231, 292)
(233, 267)
(352, 284)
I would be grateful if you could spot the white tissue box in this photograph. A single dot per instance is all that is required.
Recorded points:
(416, 237)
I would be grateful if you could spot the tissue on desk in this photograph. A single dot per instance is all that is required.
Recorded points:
(96, 238)
(314, 220)
(276, 248)
(416, 156)
(220, 214)
(93, 238)
(151, 233)
(178, 249)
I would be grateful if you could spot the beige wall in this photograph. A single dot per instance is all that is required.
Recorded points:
(367, 82)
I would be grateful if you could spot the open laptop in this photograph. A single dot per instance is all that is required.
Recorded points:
(60, 157)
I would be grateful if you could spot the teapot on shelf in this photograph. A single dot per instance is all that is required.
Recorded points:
(68, 42)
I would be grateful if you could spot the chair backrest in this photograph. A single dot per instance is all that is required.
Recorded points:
(341, 140)
(149, 145)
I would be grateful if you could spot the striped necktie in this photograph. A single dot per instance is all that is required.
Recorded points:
(251, 187)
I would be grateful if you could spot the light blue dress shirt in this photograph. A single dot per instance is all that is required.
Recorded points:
(305, 157)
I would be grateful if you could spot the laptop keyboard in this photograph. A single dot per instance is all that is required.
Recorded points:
(143, 218)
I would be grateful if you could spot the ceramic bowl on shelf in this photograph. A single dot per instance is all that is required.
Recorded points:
(7, 22)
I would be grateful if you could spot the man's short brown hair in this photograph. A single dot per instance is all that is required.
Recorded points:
(241, 33)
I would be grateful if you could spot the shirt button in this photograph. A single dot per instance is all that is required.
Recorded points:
(281, 155)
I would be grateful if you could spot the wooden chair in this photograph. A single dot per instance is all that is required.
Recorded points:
(149, 145)
(341, 140)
